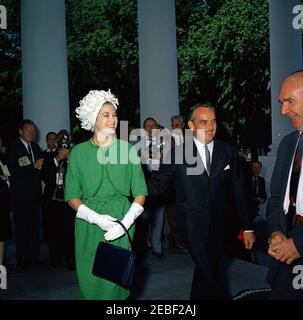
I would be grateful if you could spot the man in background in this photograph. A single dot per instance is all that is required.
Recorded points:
(51, 145)
(258, 192)
(24, 162)
(177, 138)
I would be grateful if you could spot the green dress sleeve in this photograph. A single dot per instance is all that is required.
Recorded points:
(72, 179)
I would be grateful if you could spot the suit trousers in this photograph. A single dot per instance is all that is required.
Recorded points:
(141, 235)
(27, 231)
(45, 213)
(157, 214)
(61, 239)
(208, 281)
(282, 286)
(208, 287)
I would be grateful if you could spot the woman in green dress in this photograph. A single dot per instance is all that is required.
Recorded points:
(102, 174)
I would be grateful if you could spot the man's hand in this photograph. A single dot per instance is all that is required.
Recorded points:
(249, 239)
(276, 238)
(285, 251)
(38, 163)
(62, 154)
(261, 200)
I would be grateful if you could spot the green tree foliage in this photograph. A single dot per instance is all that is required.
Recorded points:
(10, 72)
(103, 51)
(224, 58)
(213, 6)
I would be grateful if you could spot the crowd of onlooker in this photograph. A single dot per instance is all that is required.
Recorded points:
(32, 189)
(32, 196)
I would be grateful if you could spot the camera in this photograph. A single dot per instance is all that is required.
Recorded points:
(65, 142)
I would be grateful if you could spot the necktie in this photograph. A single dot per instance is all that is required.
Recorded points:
(207, 158)
(294, 182)
(29, 150)
(150, 149)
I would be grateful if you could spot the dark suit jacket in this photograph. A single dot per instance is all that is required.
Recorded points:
(260, 194)
(5, 228)
(4, 190)
(48, 174)
(276, 217)
(25, 179)
(205, 204)
(45, 153)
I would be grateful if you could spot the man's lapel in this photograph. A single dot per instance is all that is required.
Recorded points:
(218, 158)
(290, 150)
(22, 147)
(195, 162)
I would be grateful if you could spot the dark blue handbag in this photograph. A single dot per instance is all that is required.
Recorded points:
(114, 263)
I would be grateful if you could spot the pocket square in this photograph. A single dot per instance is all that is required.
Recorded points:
(227, 167)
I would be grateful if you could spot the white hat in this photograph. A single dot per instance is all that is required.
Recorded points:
(90, 106)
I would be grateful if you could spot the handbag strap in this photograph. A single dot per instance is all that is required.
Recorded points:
(128, 236)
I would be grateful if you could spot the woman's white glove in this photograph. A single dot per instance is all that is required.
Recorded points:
(132, 214)
(103, 221)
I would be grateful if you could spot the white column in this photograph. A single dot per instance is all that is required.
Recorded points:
(44, 65)
(158, 60)
(285, 57)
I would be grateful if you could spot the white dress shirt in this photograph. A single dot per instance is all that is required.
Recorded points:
(177, 134)
(26, 146)
(299, 200)
(201, 150)
(153, 164)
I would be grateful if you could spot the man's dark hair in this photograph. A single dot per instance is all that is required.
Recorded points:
(49, 133)
(176, 117)
(257, 161)
(199, 105)
(62, 132)
(150, 119)
(26, 121)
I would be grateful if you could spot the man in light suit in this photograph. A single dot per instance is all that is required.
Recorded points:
(208, 190)
(285, 206)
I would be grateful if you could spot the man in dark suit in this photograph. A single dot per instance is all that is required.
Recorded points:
(177, 138)
(51, 144)
(50, 151)
(257, 186)
(208, 180)
(61, 217)
(24, 164)
(5, 225)
(285, 207)
(150, 150)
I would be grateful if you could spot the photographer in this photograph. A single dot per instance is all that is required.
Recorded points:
(61, 217)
